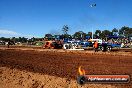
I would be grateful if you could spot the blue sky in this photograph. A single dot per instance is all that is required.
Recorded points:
(38, 17)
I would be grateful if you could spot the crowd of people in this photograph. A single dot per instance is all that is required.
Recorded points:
(125, 42)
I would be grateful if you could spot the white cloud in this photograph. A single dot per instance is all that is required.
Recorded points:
(9, 33)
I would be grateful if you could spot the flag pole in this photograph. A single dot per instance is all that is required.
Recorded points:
(92, 33)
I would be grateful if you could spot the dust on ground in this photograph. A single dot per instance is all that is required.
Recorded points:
(30, 68)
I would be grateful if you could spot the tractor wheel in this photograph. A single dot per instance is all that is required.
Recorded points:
(66, 46)
(109, 48)
(102, 48)
(70, 46)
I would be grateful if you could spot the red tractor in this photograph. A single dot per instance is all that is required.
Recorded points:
(53, 45)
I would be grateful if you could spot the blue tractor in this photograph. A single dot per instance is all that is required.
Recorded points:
(108, 46)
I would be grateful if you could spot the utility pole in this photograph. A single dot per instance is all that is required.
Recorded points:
(92, 6)
(92, 33)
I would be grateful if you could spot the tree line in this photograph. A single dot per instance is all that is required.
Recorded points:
(20, 39)
(101, 34)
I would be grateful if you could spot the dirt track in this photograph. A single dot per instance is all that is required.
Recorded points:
(65, 64)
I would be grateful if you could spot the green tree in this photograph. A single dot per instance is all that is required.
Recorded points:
(125, 31)
(65, 29)
(24, 40)
(49, 36)
(89, 34)
(82, 34)
(97, 33)
(77, 35)
(19, 39)
(13, 39)
(114, 31)
(122, 30)
(33, 39)
(105, 33)
(130, 31)
(2, 38)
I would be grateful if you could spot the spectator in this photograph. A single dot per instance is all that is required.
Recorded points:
(8, 44)
(96, 45)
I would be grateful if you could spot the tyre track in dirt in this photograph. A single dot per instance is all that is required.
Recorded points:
(65, 64)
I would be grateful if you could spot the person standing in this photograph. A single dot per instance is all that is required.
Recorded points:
(96, 46)
(8, 44)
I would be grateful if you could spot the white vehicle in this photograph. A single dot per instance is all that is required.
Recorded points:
(71, 45)
(99, 40)
(6, 43)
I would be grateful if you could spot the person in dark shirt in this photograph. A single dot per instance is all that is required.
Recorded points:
(104, 46)
(8, 44)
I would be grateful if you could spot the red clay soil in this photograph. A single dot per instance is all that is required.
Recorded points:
(65, 64)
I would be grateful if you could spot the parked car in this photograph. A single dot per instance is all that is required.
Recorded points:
(2, 43)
